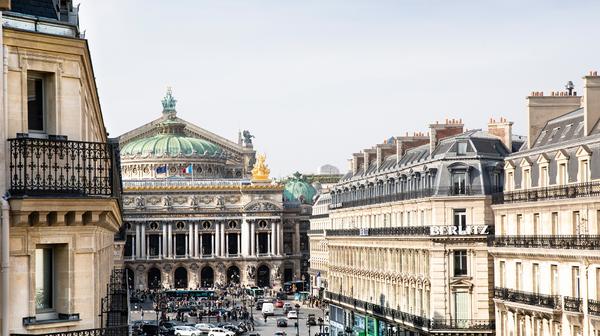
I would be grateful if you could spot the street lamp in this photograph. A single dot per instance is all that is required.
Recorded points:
(298, 319)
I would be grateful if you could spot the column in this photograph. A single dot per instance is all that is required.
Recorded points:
(269, 243)
(160, 248)
(143, 239)
(187, 246)
(297, 238)
(200, 246)
(138, 250)
(174, 246)
(133, 247)
(217, 240)
(212, 242)
(170, 240)
(252, 238)
(196, 239)
(280, 239)
(273, 236)
(243, 239)
(239, 241)
(226, 235)
(190, 249)
(163, 239)
(223, 251)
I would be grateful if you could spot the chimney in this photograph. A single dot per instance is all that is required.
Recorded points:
(356, 162)
(5, 5)
(503, 130)
(404, 143)
(439, 131)
(382, 151)
(543, 108)
(591, 101)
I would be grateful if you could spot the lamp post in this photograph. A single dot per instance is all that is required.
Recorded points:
(159, 302)
(298, 319)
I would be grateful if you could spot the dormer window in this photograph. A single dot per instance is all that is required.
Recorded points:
(462, 148)
(562, 174)
(459, 183)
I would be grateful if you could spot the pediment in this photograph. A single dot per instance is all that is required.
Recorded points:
(509, 164)
(561, 155)
(582, 151)
(461, 282)
(543, 158)
(525, 162)
(262, 205)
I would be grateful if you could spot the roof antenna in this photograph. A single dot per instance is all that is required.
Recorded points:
(570, 87)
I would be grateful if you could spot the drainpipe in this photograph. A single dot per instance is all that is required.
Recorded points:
(4, 265)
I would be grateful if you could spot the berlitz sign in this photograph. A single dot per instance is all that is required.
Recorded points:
(444, 230)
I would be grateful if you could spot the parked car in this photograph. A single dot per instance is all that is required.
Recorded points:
(281, 322)
(292, 314)
(153, 329)
(279, 303)
(204, 327)
(220, 332)
(280, 333)
(287, 307)
(186, 331)
(310, 320)
(233, 329)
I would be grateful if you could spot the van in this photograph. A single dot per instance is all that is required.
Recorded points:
(268, 309)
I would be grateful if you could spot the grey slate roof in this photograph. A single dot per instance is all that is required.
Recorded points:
(41, 8)
(564, 128)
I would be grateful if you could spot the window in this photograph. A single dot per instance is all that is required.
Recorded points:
(536, 224)
(562, 173)
(502, 225)
(544, 176)
(584, 171)
(526, 178)
(502, 275)
(519, 224)
(510, 181)
(460, 219)
(462, 148)
(597, 284)
(519, 279)
(554, 223)
(44, 280)
(460, 263)
(576, 222)
(554, 279)
(35, 104)
(575, 289)
(459, 183)
(535, 271)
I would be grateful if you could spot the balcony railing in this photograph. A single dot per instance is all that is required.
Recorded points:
(109, 331)
(534, 299)
(594, 307)
(46, 167)
(586, 189)
(384, 231)
(462, 324)
(573, 304)
(579, 242)
(315, 232)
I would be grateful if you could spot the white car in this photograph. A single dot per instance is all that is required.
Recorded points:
(220, 332)
(292, 314)
(204, 327)
(186, 331)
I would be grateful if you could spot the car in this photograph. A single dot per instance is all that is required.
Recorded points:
(233, 329)
(279, 333)
(220, 332)
(186, 331)
(268, 309)
(204, 327)
(253, 333)
(287, 307)
(281, 322)
(259, 305)
(310, 320)
(292, 314)
(279, 303)
(153, 329)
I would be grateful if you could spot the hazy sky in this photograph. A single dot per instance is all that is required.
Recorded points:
(315, 81)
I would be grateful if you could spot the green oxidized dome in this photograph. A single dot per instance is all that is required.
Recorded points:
(298, 189)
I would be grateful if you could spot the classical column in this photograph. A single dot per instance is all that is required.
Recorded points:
(252, 238)
(175, 246)
(223, 251)
(133, 246)
(239, 243)
(200, 250)
(196, 239)
(160, 248)
(243, 239)
(143, 239)
(170, 240)
(138, 249)
(217, 240)
(190, 249)
(269, 243)
(280, 238)
(187, 246)
(163, 239)
(226, 235)
(212, 244)
(297, 238)
(273, 239)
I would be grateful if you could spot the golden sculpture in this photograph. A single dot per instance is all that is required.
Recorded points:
(260, 171)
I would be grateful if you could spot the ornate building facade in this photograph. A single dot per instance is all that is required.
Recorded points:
(59, 179)
(547, 244)
(406, 234)
(201, 210)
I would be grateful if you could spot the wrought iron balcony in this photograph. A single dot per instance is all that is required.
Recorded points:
(573, 304)
(462, 324)
(548, 193)
(109, 331)
(594, 307)
(579, 242)
(45, 167)
(533, 299)
(315, 232)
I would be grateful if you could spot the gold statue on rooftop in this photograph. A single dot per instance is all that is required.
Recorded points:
(260, 172)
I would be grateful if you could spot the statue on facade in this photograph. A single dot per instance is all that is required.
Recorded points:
(140, 203)
(247, 137)
(168, 202)
(276, 272)
(169, 102)
(251, 270)
(261, 171)
(195, 202)
(220, 202)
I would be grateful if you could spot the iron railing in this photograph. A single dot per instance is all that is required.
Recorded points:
(548, 193)
(462, 324)
(579, 242)
(75, 168)
(573, 304)
(325, 215)
(315, 232)
(534, 299)
(422, 230)
(594, 307)
(109, 331)
(115, 306)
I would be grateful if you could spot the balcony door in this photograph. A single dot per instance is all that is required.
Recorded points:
(462, 309)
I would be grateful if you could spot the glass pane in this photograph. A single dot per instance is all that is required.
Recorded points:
(43, 279)
(35, 104)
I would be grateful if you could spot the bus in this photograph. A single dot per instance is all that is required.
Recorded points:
(255, 292)
(209, 294)
(291, 287)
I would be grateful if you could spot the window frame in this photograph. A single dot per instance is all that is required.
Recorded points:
(33, 75)
(460, 258)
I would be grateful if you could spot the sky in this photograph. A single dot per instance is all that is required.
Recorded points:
(315, 81)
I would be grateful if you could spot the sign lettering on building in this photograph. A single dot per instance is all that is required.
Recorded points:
(445, 230)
